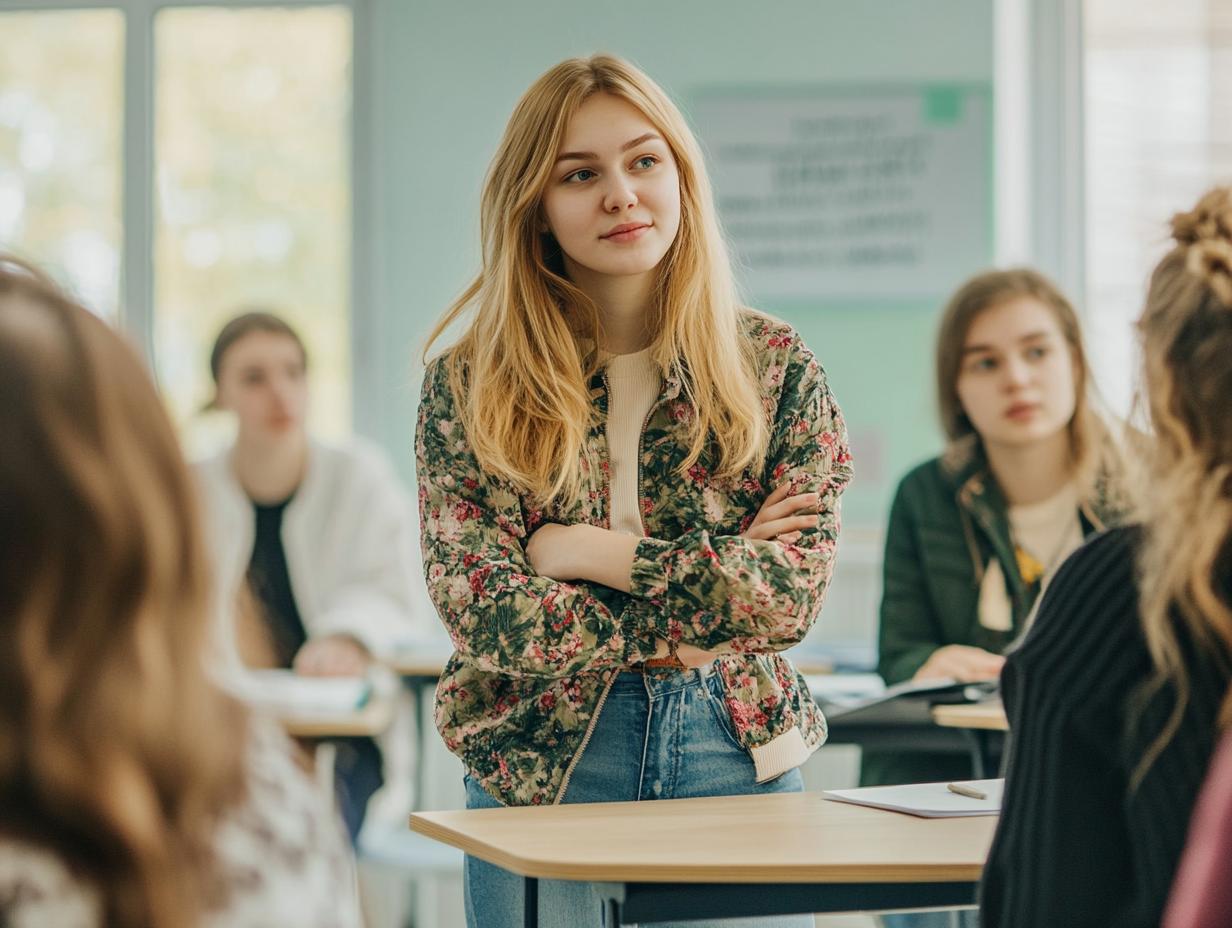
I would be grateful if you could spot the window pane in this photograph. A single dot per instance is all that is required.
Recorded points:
(61, 124)
(1158, 133)
(253, 204)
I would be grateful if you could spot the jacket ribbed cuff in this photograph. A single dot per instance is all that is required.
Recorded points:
(648, 579)
(637, 627)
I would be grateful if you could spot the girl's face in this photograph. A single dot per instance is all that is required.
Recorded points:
(613, 198)
(1017, 378)
(262, 380)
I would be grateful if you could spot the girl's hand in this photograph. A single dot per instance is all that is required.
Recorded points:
(777, 520)
(962, 662)
(332, 656)
(780, 517)
(693, 657)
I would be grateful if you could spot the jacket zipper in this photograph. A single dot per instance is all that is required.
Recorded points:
(590, 730)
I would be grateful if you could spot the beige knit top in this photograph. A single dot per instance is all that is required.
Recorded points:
(634, 382)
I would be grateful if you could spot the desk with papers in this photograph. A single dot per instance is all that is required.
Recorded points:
(676, 859)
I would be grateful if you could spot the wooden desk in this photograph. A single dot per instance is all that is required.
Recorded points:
(982, 723)
(728, 857)
(312, 732)
(371, 720)
(420, 665)
(810, 664)
(989, 716)
(422, 662)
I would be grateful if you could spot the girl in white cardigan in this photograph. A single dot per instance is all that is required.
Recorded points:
(321, 536)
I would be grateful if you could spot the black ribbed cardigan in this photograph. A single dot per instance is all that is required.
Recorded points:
(1075, 844)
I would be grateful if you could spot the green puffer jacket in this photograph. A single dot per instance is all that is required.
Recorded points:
(535, 657)
(948, 521)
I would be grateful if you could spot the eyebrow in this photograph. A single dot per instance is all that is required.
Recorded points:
(591, 156)
(1029, 337)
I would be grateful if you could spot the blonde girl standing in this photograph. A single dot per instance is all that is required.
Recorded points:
(628, 484)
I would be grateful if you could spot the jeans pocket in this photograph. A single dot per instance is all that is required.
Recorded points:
(718, 705)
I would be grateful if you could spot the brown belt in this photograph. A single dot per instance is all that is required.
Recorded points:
(657, 663)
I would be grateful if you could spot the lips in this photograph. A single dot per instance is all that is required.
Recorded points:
(1022, 410)
(626, 231)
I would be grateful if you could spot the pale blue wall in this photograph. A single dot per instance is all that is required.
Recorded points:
(446, 75)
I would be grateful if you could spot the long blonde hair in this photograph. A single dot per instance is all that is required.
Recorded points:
(1095, 455)
(116, 752)
(1186, 562)
(520, 371)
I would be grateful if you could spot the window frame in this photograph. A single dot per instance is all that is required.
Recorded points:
(1040, 196)
(136, 298)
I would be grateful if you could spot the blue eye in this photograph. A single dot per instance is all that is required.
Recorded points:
(1037, 352)
(577, 176)
(986, 363)
(646, 162)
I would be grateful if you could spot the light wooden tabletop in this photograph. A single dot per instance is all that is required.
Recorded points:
(779, 838)
(422, 659)
(986, 715)
(372, 719)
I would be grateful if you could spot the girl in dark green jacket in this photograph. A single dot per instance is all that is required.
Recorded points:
(1029, 473)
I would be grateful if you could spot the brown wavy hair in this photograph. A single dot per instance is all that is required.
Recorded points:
(117, 754)
(1095, 456)
(1186, 563)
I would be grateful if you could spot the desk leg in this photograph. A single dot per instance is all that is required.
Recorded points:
(530, 910)
(422, 690)
(978, 741)
(611, 918)
(323, 756)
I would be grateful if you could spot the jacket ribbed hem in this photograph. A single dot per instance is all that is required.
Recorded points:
(786, 752)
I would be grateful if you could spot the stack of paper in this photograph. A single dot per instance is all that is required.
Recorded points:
(845, 689)
(286, 693)
(927, 800)
(908, 703)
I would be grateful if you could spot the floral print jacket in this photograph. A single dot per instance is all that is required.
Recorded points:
(535, 657)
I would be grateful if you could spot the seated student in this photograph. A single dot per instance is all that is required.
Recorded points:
(1115, 693)
(321, 534)
(133, 792)
(975, 534)
(1202, 893)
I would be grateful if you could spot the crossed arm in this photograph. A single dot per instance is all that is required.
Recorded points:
(512, 602)
(588, 552)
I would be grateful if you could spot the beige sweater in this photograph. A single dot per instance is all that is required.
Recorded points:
(280, 856)
(634, 382)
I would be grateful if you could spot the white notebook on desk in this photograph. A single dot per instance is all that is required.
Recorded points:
(927, 800)
(286, 693)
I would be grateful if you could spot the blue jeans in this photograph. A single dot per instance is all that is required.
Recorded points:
(358, 773)
(662, 735)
